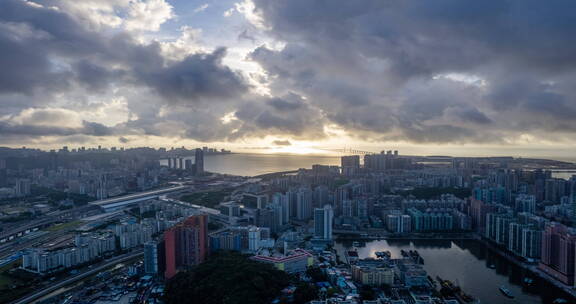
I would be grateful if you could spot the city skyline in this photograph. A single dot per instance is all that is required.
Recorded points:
(287, 151)
(386, 222)
(258, 76)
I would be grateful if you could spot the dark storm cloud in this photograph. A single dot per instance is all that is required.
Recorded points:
(421, 71)
(93, 76)
(87, 128)
(289, 103)
(428, 71)
(443, 133)
(196, 77)
(45, 48)
(96, 129)
(289, 114)
(469, 115)
(255, 117)
(45, 52)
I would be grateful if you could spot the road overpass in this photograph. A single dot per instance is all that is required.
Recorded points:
(23, 230)
(121, 202)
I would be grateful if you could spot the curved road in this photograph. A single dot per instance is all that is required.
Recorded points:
(42, 292)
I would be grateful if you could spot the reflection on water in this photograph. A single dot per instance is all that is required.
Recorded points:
(256, 164)
(428, 244)
(467, 262)
(565, 174)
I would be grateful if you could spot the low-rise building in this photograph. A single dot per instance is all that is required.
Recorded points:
(373, 276)
(294, 262)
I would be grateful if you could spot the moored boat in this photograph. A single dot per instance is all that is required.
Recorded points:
(528, 281)
(506, 292)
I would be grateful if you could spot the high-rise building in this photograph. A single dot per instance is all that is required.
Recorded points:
(350, 164)
(254, 237)
(361, 207)
(321, 196)
(478, 212)
(151, 258)
(342, 194)
(102, 190)
(531, 243)
(323, 218)
(554, 189)
(526, 203)
(503, 224)
(199, 161)
(3, 173)
(53, 160)
(267, 218)
(22, 187)
(559, 252)
(304, 204)
(346, 208)
(376, 162)
(430, 221)
(515, 238)
(399, 223)
(284, 203)
(276, 207)
(189, 166)
(292, 201)
(226, 240)
(230, 209)
(186, 244)
(385, 160)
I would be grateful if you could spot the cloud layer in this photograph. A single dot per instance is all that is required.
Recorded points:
(421, 72)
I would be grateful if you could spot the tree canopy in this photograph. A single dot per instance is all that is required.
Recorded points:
(227, 278)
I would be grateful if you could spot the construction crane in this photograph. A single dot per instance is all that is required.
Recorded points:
(349, 151)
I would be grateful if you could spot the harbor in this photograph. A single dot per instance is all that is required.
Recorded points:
(463, 258)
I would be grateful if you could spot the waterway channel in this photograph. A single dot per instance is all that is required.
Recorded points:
(479, 270)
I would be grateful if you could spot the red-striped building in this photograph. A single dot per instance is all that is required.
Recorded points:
(559, 252)
(186, 244)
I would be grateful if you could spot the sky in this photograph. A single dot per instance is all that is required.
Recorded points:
(450, 77)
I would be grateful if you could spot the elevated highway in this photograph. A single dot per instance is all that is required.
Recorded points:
(121, 202)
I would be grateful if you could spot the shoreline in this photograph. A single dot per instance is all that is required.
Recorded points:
(532, 268)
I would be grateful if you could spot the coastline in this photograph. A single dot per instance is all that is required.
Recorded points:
(531, 268)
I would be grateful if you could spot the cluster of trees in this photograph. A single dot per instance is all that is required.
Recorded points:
(227, 278)
(207, 198)
(231, 278)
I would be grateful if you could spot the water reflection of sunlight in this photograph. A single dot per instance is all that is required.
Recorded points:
(294, 149)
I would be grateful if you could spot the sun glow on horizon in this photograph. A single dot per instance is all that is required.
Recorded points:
(297, 149)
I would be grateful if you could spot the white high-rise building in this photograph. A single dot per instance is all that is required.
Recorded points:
(304, 204)
(254, 238)
(281, 200)
(151, 257)
(323, 218)
(526, 203)
(22, 187)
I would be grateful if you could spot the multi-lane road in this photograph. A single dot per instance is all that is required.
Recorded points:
(82, 275)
